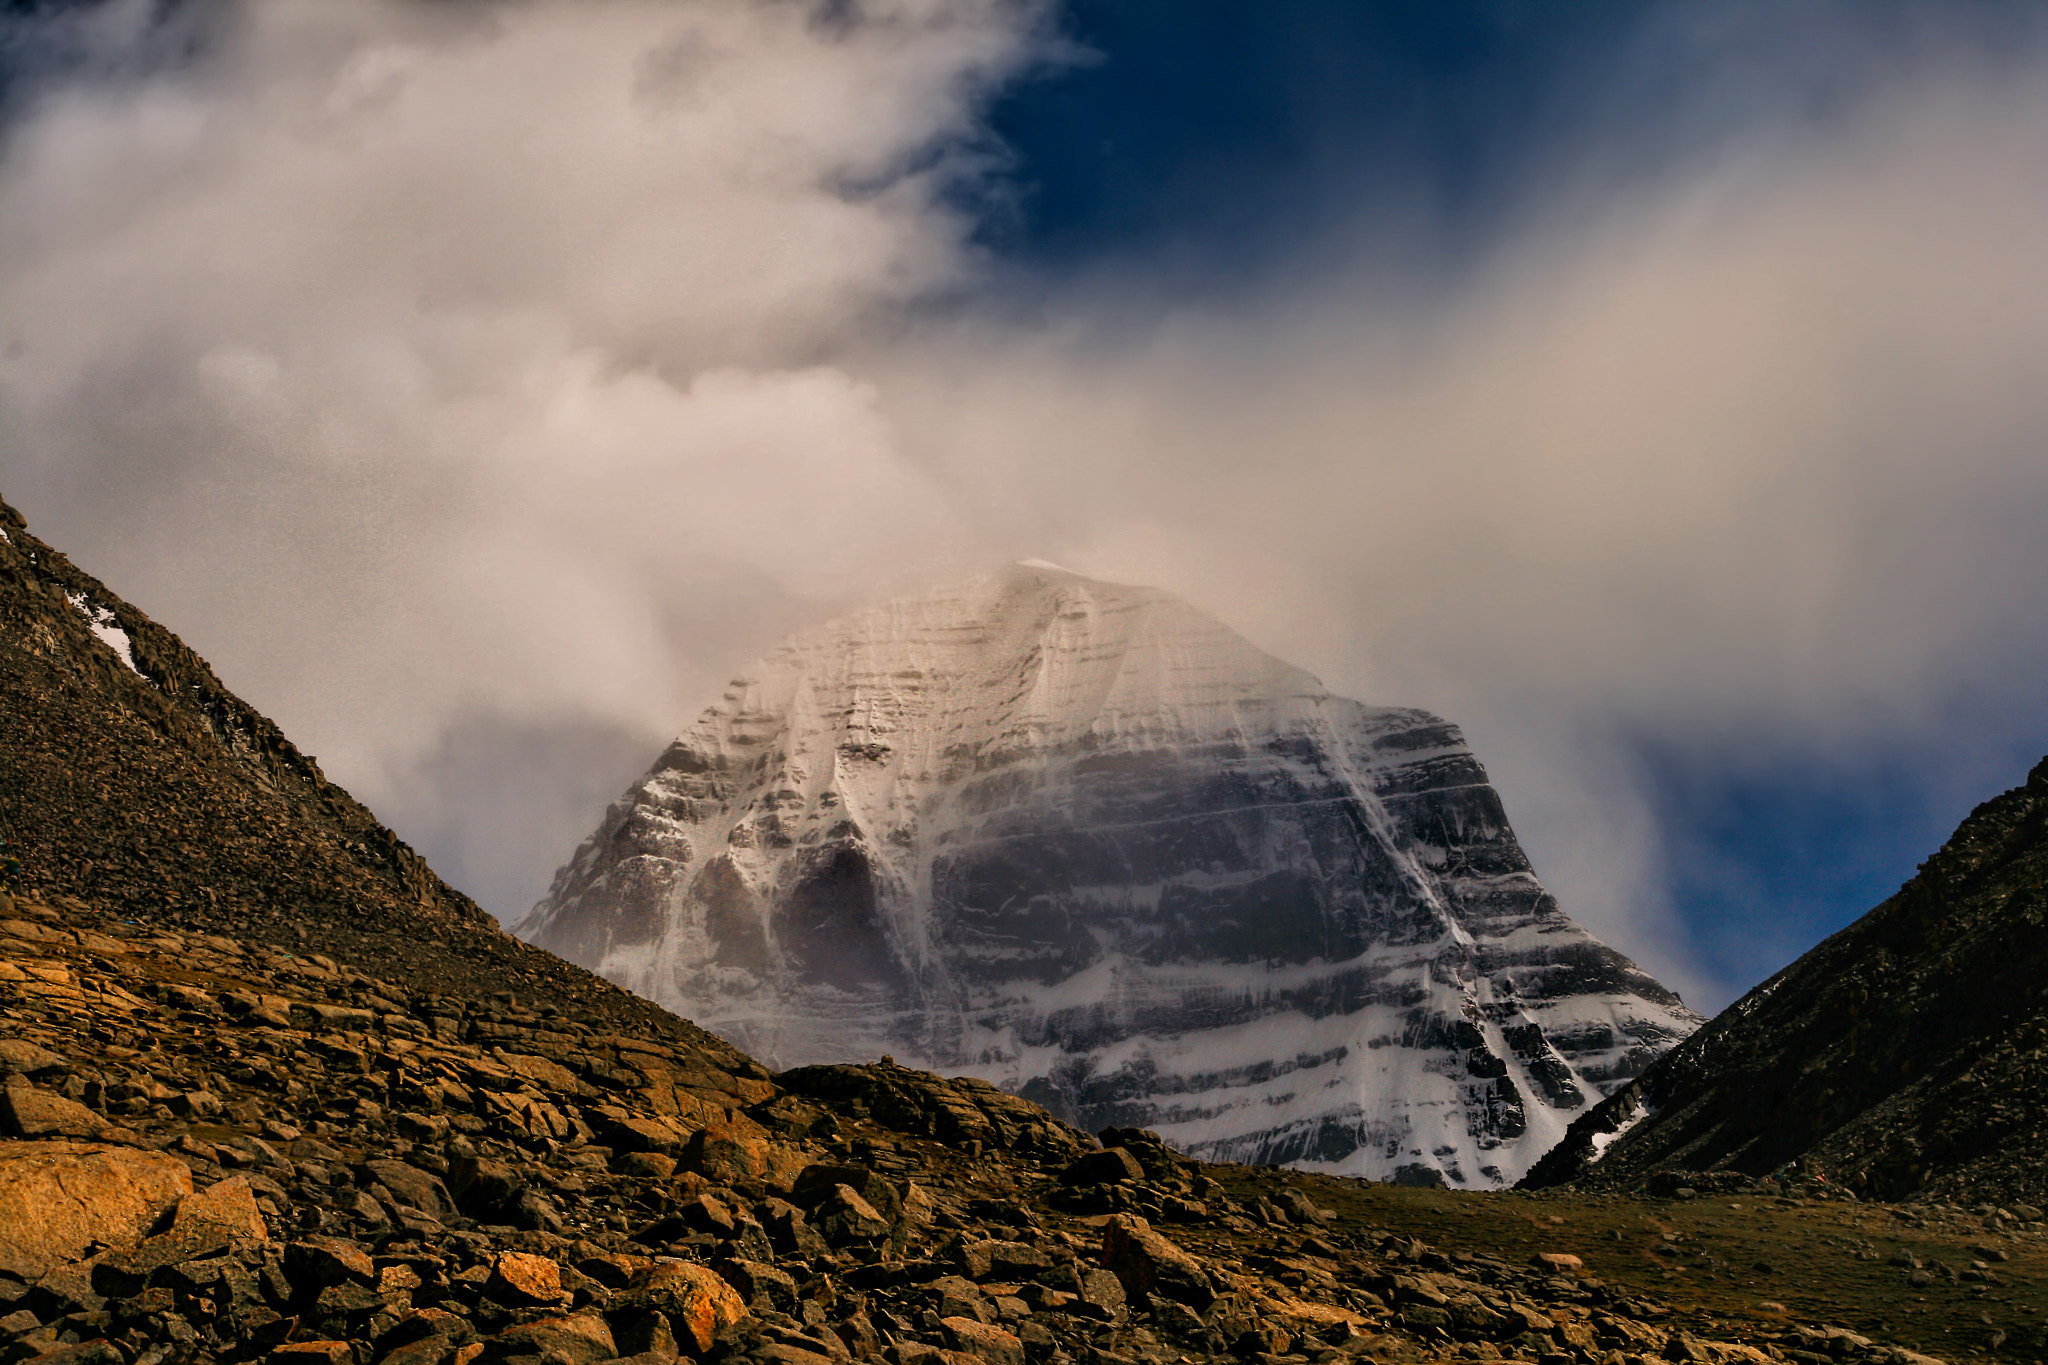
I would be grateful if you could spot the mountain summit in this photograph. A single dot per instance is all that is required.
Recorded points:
(1082, 840)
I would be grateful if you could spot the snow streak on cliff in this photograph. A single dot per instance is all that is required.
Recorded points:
(1082, 840)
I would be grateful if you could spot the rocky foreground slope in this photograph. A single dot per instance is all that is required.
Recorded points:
(1906, 1055)
(1081, 839)
(212, 1151)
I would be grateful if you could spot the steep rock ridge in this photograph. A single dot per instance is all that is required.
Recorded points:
(1906, 1056)
(130, 775)
(1082, 840)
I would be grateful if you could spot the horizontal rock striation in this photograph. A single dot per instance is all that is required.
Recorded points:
(1084, 841)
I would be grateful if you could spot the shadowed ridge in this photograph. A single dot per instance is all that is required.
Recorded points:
(1906, 1054)
(131, 776)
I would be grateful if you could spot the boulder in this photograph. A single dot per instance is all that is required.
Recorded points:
(19, 1057)
(1110, 1166)
(522, 1280)
(694, 1299)
(992, 1345)
(578, 1339)
(411, 1186)
(27, 1112)
(1147, 1263)
(842, 1217)
(229, 1205)
(59, 1200)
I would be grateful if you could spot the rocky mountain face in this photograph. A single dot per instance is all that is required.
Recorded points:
(1906, 1055)
(1083, 841)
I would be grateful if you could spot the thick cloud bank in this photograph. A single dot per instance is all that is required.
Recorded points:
(477, 384)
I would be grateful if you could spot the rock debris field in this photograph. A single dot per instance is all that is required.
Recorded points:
(219, 1151)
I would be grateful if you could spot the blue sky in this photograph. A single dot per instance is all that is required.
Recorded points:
(1650, 387)
(1209, 147)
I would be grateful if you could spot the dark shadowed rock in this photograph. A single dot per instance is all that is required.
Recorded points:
(1906, 1054)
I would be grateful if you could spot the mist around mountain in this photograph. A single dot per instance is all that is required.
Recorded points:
(265, 1097)
(1080, 839)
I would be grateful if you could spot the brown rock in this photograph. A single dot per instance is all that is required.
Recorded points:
(990, 1344)
(522, 1280)
(412, 1187)
(612, 1270)
(984, 1260)
(726, 1155)
(842, 1216)
(814, 1184)
(644, 1165)
(85, 1353)
(229, 1205)
(314, 1261)
(694, 1299)
(763, 1286)
(1148, 1263)
(579, 1339)
(646, 1336)
(1110, 1166)
(313, 1353)
(624, 1132)
(27, 1112)
(782, 1353)
(18, 1056)
(57, 1200)
(122, 1273)
(1561, 1262)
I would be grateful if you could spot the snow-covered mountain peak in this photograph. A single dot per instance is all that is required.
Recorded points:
(1082, 839)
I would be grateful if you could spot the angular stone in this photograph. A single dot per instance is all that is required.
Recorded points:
(624, 1132)
(313, 1353)
(27, 1112)
(84, 1353)
(986, 1260)
(578, 1339)
(59, 1200)
(645, 1335)
(644, 1165)
(316, 1261)
(763, 1286)
(842, 1216)
(413, 1187)
(696, 1302)
(125, 1272)
(229, 1205)
(1110, 1166)
(1148, 1263)
(482, 1189)
(1102, 1295)
(20, 1057)
(522, 1280)
(815, 1183)
(990, 1344)
(726, 1155)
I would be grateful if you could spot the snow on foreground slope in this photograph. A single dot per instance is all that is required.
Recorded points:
(1082, 840)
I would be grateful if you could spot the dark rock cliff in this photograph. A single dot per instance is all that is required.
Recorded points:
(1907, 1054)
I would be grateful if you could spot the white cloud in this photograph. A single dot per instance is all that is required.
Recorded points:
(437, 368)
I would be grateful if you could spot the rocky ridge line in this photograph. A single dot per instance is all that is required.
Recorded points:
(1906, 1056)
